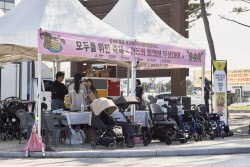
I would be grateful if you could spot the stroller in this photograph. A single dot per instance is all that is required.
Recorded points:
(10, 123)
(131, 129)
(110, 133)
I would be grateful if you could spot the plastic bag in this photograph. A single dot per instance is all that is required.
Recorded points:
(77, 138)
(137, 140)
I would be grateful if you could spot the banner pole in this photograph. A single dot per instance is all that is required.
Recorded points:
(39, 116)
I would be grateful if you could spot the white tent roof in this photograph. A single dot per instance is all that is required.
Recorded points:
(1, 13)
(136, 19)
(18, 34)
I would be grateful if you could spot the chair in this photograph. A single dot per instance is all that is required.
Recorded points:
(26, 123)
(53, 124)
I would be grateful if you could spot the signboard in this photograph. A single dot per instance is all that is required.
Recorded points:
(234, 77)
(152, 85)
(58, 43)
(220, 88)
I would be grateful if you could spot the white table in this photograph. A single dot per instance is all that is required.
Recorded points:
(78, 118)
(142, 117)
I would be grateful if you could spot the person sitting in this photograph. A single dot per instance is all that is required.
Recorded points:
(77, 93)
(91, 91)
(58, 92)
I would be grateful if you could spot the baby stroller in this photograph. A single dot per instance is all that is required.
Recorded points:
(9, 121)
(131, 129)
(110, 133)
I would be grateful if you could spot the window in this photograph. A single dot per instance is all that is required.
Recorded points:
(47, 85)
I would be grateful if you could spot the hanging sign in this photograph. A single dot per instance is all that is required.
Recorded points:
(220, 88)
(58, 43)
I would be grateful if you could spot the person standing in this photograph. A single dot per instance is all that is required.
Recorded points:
(206, 94)
(139, 92)
(77, 93)
(91, 91)
(58, 92)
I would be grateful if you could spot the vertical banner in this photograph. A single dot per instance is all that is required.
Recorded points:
(220, 88)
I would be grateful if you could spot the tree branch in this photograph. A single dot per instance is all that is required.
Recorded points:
(247, 1)
(234, 21)
(193, 20)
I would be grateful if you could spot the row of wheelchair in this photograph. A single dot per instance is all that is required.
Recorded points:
(168, 125)
(9, 121)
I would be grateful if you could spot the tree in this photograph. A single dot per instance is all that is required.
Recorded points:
(194, 10)
(198, 10)
(189, 86)
(207, 29)
(145, 86)
(168, 86)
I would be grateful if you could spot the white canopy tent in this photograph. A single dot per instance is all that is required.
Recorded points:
(136, 19)
(1, 13)
(18, 35)
(19, 32)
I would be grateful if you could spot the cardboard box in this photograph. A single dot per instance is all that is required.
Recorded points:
(89, 71)
(97, 73)
(89, 74)
(105, 73)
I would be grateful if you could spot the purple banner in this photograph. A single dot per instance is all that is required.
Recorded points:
(116, 49)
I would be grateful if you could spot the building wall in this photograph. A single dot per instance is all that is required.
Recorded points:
(7, 5)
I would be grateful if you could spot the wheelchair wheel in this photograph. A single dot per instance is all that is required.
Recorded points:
(212, 135)
(131, 143)
(222, 133)
(112, 146)
(196, 137)
(168, 140)
(93, 145)
(121, 145)
(183, 139)
(162, 139)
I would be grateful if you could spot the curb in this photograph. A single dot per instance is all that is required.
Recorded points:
(129, 153)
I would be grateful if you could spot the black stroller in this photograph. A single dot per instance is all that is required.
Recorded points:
(110, 133)
(131, 129)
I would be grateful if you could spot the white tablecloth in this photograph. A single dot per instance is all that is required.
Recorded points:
(142, 117)
(78, 118)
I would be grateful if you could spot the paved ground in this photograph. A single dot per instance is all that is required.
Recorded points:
(239, 141)
(199, 161)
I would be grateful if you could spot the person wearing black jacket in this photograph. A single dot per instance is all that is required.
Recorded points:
(58, 92)
(206, 94)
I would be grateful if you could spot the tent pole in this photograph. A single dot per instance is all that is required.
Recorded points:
(57, 70)
(202, 84)
(53, 70)
(134, 81)
(128, 76)
(39, 93)
(132, 89)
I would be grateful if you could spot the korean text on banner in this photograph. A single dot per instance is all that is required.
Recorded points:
(105, 48)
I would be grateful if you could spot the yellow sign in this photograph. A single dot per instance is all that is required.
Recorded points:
(234, 77)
